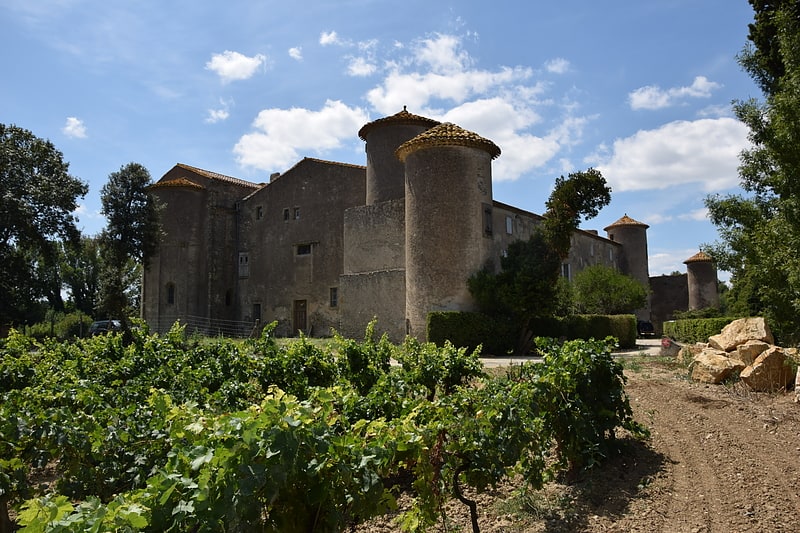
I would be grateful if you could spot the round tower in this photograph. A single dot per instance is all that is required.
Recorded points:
(702, 281)
(385, 173)
(448, 210)
(632, 235)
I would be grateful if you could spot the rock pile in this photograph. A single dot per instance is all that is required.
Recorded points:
(745, 348)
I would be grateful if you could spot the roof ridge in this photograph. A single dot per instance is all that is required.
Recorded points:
(220, 177)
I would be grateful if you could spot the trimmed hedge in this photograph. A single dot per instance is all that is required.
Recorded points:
(695, 329)
(465, 329)
(499, 337)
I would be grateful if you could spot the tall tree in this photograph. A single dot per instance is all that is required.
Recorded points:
(130, 238)
(760, 230)
(581, 195)
(38, 197)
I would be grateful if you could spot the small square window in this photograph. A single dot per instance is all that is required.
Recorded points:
(303, 249)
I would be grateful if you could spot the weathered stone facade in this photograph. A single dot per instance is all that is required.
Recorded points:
(331, 245)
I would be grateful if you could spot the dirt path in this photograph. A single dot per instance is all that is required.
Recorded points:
(720, 460)
(732, 457)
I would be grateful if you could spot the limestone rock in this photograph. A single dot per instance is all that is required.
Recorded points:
(749, 351)
(740, 331)
(714, 366)
(797, 386)
(690, 351)
(770, 371)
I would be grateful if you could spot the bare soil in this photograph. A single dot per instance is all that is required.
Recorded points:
(720, 459)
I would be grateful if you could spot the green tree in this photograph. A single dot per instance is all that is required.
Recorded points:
(38, 197)
(129, 239)
(80, 272)
(760, 230)
(581, 195)
(603, 290)
(527, 286)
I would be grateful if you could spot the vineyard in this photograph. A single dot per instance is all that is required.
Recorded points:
(174, 434)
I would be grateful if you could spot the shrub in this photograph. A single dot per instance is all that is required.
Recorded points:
(622, 327)
(695, 330)
(470, 330)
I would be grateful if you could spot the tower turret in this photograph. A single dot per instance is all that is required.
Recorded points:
(448, 213)
(632, 235)
(702, 281)
(385, 173)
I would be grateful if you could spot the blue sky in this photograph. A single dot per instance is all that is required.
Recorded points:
(641, 90)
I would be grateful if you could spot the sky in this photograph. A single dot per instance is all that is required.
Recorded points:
(640, 90)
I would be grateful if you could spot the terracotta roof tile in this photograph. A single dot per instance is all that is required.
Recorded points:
(220, 177)
(626, 221)
(447, 134)
(180, 182)
(401, 118)
(699, 257)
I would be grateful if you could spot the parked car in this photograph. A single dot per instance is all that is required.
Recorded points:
(645, 328)
(100, 327)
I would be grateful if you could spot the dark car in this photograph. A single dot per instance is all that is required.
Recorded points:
(104, 326)
(645, 328)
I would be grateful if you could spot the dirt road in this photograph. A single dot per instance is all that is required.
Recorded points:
(720, 459)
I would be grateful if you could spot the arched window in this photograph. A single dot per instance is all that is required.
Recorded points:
(170, 293)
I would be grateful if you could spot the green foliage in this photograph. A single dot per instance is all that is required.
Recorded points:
(130, 238)
(583, 399)
(471, 331)
(439, 370)
(364, 363)
(760, 231)
(62, 326)
(165, 434)
(581, 195)
(603, 290)
(621, 327)
(695, 330)
(37, 203)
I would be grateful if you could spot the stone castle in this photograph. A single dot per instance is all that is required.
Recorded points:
(332, 245)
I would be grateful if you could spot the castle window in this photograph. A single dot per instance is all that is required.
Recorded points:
(170, 294)
(259, 212)
(297, 213)
(509, 225)
(228, 297)
(304, 249)
(487, 220)
(244, 265)
(565, 270)
(334, 296)
(286, 215)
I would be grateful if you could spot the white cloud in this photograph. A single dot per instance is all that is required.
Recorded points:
(704, 152)
(233, 66)
(697, 215)
(654, 97)
(281, 135)
(442, 54)
(558, 65)
(296, 53)
(74, 128)
(328, 38)
(360, 67)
